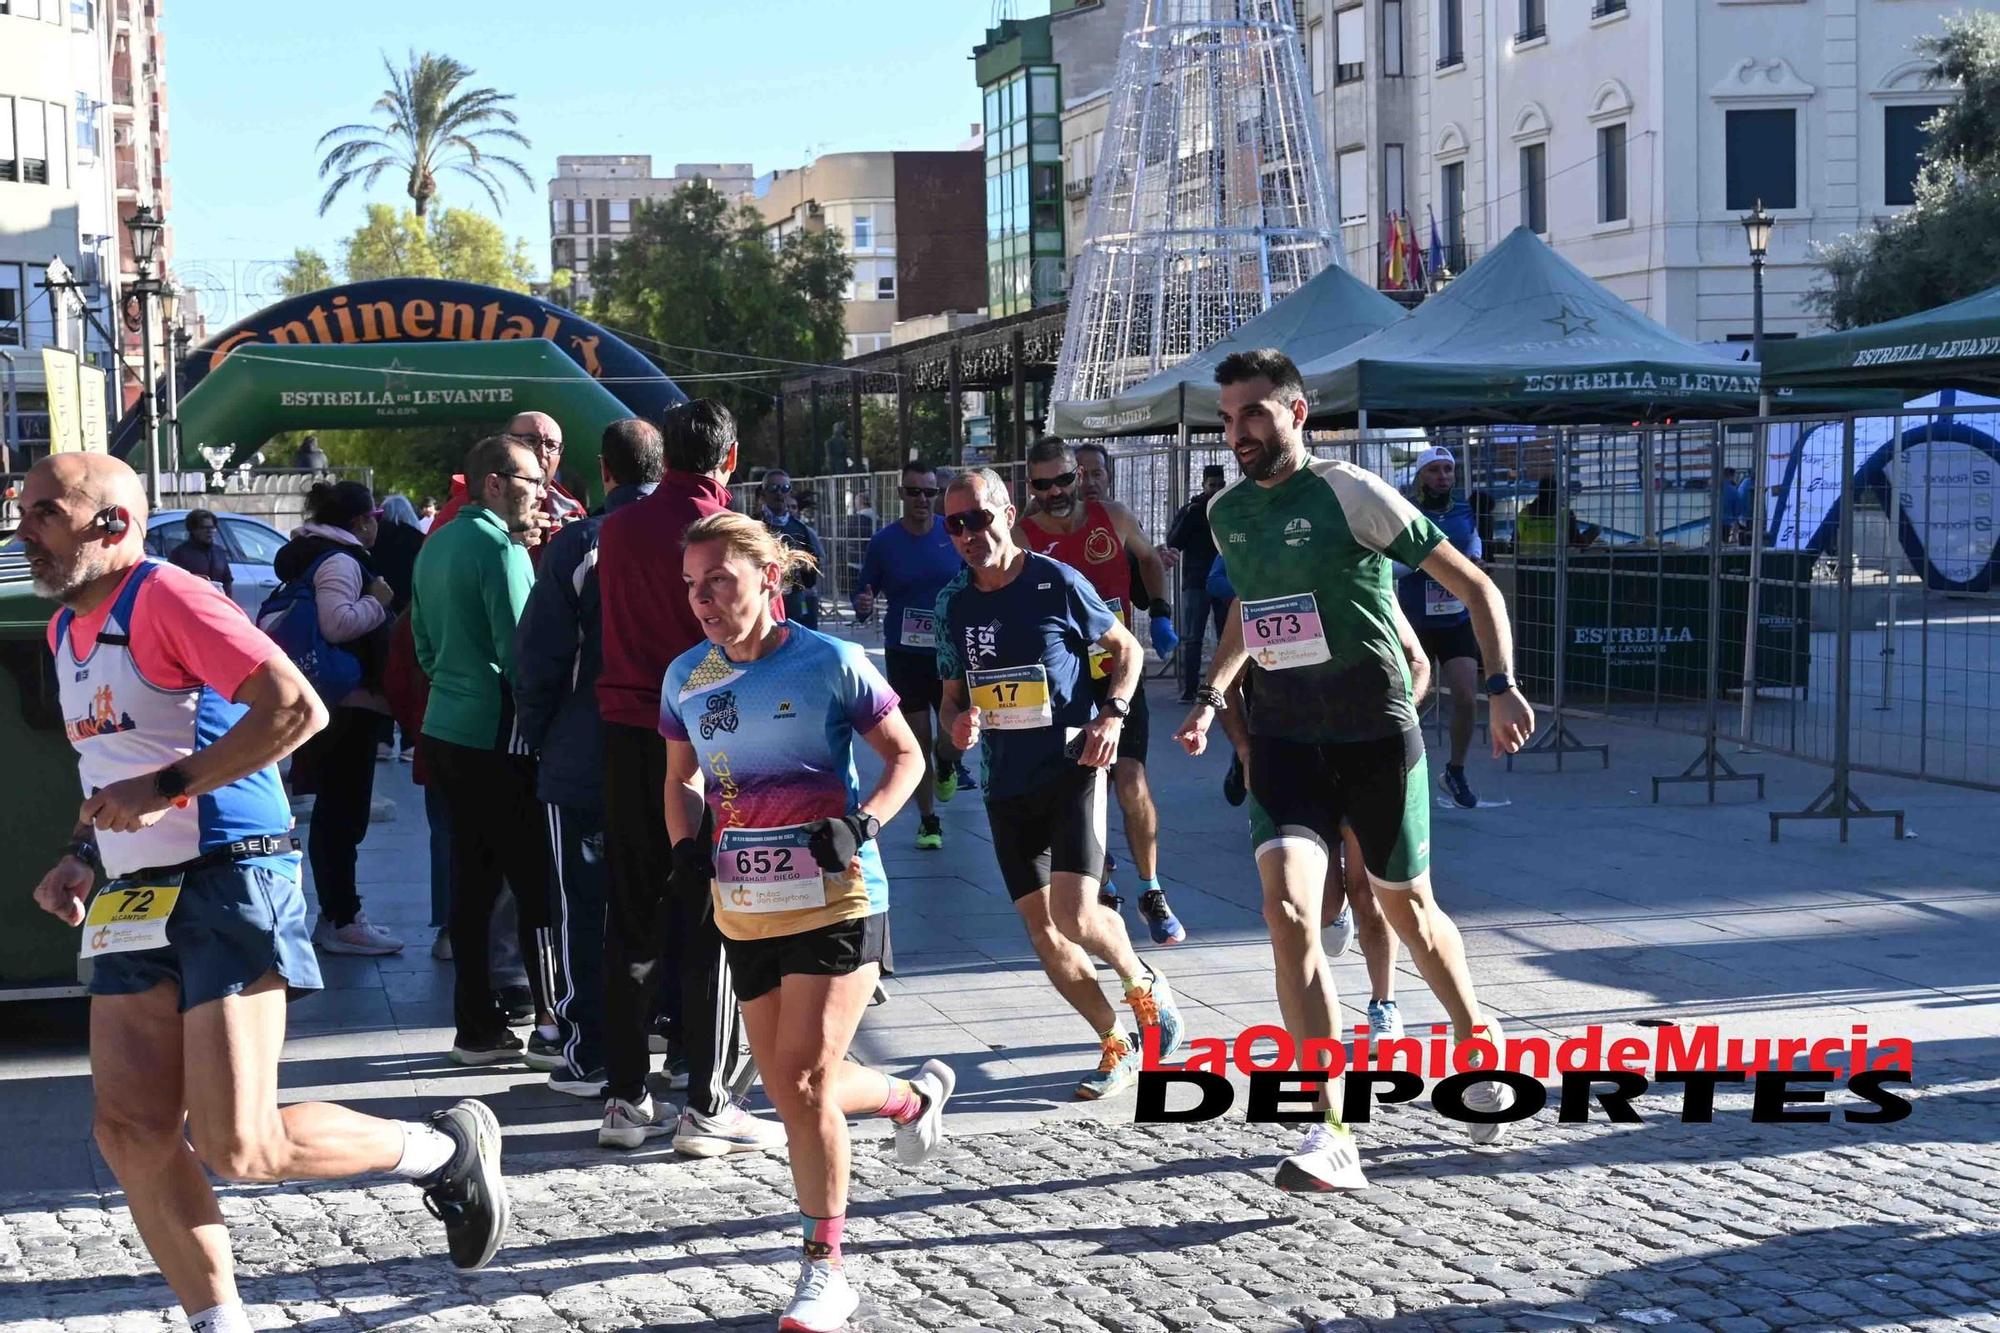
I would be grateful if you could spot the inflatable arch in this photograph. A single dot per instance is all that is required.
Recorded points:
(402, 352)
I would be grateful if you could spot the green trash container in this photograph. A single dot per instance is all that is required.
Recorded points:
(38, 810)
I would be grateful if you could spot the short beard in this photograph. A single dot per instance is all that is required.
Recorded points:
(87, 568)
(1268, 462)
(1067, 501)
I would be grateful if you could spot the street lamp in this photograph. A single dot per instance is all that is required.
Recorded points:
(1757, 226)
(170, 317)
(144, 227)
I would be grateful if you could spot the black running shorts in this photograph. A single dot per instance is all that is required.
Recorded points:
(912, 674)
(758, 967)
(1447, 642)
(1134, 738)
(1380, 787)
(1057, 828)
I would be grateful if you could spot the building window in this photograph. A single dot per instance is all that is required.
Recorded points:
(1354, 185)
(864, 231)
(58, 145)
(1451, 195)
(1392, 39)
(1903, 142)
(1534, 21)
(12, 303)
(86, 125)
(1761, 149)
(31, 138)
(1351, 44)
(10, 165)
(1392, 178)
(1316, 54)
(885, 288)
(620, 213)
(1605, 8)
(1451, 33)
(1535, 188)
(1611, 173)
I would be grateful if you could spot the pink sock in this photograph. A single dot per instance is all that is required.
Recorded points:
(904, 1103)
(823, 1236)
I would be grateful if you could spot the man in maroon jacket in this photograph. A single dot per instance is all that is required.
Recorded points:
(647, 623)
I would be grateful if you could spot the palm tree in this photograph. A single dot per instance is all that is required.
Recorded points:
(431, 126)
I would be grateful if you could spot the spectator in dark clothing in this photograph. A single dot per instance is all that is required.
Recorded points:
(201, 553)
(310, 455)
(1190, 536)
(397, 541)
(331, 550)
(558, 653)
(801, 602)
(647, 623)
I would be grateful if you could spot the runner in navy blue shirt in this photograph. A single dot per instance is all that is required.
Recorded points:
(1015, 632)
(1443, 625)
(908, 563)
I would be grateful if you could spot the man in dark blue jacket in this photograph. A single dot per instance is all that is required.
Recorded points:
(558, 651)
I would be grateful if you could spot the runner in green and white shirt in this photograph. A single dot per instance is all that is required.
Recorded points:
(1333, 733)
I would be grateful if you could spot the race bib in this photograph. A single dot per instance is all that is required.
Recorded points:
(767, 870)
(919, 628)
(1100, 660)
(1011, 698)
(128, 915)
(1438, 600)
(1285, 632)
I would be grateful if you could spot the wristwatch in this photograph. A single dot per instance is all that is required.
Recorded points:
(870, 826)
(170, 784)
(84, 850)
(1118, 708)
(1499, 683)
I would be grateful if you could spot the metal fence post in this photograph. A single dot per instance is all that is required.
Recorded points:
(1838, 801)
(1558, 739)
(1709, 766)
(1752, 614)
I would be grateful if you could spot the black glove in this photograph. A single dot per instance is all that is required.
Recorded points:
(694, 866)
(833, 842)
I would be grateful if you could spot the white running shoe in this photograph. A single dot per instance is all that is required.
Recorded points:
(630, 1124)
(1326, 1160)
(1385, 1021)
(1340, 935)
(823, 1300)
(731, 1130)
(1490, 1098)
(359, 936)
(916, 1141)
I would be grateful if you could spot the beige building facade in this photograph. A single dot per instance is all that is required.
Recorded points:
(593, 199)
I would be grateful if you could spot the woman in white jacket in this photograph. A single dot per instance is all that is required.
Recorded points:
(332, 550)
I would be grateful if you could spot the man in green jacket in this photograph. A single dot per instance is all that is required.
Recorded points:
(472, 579)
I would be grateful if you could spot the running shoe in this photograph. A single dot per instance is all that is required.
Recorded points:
(569, 1083)
(1109, 899)
(1342, 937)
(359, 936)
(1117, 1070)
(441, 946)
(408, 755)
(1385, 1021)
(384, 755)
(945, 786)
(467, 1194)
(1160, 918)
(1489, 1098)
(630, 1124)
(730, 1130)
(930, 834)
(823, 1300)
(1326, 1160)
(964, 775)
(544, 1053)
(501, 1048)
(1156, 1007)
(518, 1003)
(916, 1141)
(674, 1072)
(1233, 790)
(1455, 785)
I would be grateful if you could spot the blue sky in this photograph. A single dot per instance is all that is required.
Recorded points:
(251, 87)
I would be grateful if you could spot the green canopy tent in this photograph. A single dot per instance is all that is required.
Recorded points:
(1331, 311)
(1524, 336)
(1955, 346)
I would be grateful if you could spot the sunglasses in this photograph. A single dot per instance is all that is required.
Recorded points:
(972, 520)
(922, 492)
(1061, 479)
(778, 487)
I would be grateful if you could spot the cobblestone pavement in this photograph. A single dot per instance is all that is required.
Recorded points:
(1090, 1224)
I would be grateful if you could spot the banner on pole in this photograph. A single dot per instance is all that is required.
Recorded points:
(65, 407)
(91, 398)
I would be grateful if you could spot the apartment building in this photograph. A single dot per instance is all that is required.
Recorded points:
(593, 198)
(1632, 135)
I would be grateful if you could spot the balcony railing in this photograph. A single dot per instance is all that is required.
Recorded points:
(1451, 60)
(1531, 33)
(1606, 8)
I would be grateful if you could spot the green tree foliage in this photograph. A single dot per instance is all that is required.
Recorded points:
(306, 271)
(454, 243)
(930, 431)
(698, 272)
(1947, 245)
(427, 122)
